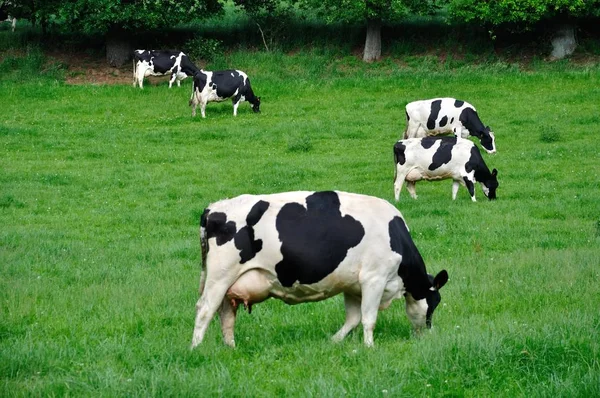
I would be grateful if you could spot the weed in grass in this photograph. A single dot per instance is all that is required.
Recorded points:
(549, 134)
(7, 201)
(299, 143)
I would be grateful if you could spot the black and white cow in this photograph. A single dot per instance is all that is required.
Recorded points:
(161, 63)
(221, 85)
(309, 246)
(439, 158)
(447, 116)
(5, 16)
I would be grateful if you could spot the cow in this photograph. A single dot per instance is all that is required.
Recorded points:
(309, 246)
(438, 158)
(447, 116)
(162, 63)
(221, 85)
(5, 16)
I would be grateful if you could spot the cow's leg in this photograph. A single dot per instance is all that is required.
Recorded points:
(236, 102)
(194, 101)
(455, 186)
(411, 187)
(227, 316)
(353, 316)
(203, 108)
(141, 72)
(399, 181)
(412, 129)
(206, 307)
(471, 187)
(173, 78)
(372, 290)
(134, 74)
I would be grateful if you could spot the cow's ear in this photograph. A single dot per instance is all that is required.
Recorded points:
(494, 172)
(440, 279)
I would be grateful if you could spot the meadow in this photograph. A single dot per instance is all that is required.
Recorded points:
(102, 186)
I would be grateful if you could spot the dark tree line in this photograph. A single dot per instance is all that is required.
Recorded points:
(117, 19)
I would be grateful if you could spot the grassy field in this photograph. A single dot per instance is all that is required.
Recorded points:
(101, 189)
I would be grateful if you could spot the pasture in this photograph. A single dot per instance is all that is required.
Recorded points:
(102, 187)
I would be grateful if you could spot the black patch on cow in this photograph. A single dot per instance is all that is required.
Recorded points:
(469, 118)
(407, 117)
(458, 103)
(427, 142)
(470, 186)
(443, 154)
(399, 153)
(244, 238)
(433, 115)
(163, 62)
(218, 227)
(443, 121)
(315, 239)
(203, 217)
(412, 267)
(482, 172)
(452, 120)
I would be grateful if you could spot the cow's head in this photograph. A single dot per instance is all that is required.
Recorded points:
(256, 105)
(488, 140)
(420, 312)
(490, 185)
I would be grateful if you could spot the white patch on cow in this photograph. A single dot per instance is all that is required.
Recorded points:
(416, 311)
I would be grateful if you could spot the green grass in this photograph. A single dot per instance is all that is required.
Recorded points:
(101, 189)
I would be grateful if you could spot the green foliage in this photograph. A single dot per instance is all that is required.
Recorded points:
(102, 16)
(350, 11)
(203, 48)
(521, 12)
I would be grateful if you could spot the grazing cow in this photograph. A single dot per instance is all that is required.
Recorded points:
(161, 63)
(221, 85)
(447, 115)
(309, 246)
(438, 158)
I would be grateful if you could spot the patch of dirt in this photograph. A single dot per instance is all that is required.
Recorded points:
(91, 69)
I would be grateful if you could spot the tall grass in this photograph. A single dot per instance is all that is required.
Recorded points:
(101, 189)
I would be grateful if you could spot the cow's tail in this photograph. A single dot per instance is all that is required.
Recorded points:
(203, 247)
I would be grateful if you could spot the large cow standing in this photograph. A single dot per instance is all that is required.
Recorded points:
(221, 85)
(309, 246)
(447, 116)
(161, 63)
(438, 158)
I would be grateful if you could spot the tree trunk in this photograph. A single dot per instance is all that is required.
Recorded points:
(373, 43)
(118, 48)
(564, 42)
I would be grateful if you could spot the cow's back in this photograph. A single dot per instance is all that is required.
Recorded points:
(306, 237)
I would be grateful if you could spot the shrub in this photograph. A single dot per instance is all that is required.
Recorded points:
(202, 48)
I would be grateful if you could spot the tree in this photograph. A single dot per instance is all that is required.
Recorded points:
(523, 14)
(372, 13)
(118, 19)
